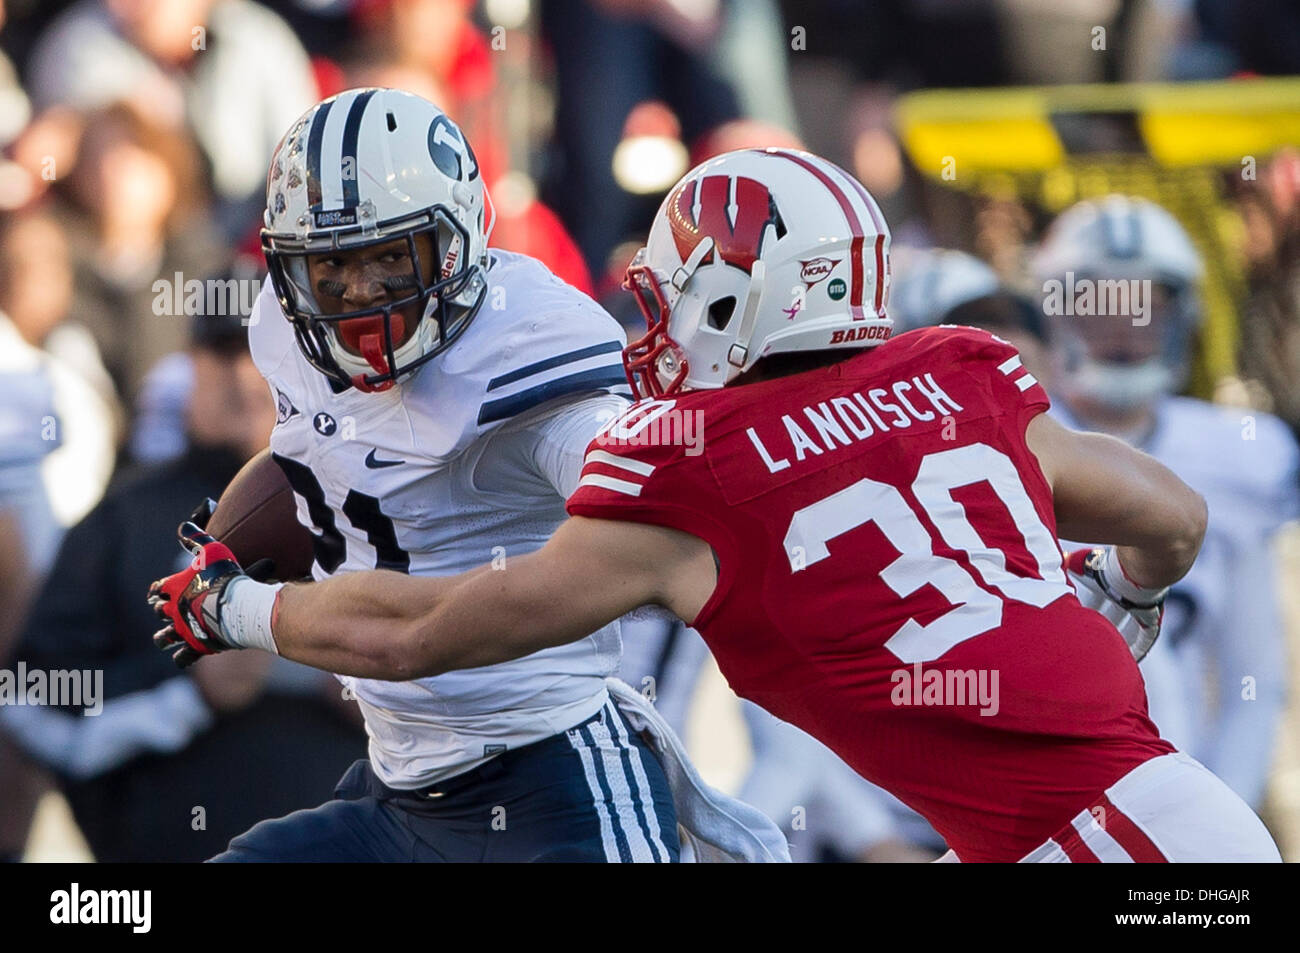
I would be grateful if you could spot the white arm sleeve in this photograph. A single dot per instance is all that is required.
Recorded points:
(563, 438)
(551, 442)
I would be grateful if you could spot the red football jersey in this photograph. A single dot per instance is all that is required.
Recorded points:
(890, 579)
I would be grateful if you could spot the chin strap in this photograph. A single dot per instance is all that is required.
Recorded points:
(360, 382)
(692, 262)
(738, 355)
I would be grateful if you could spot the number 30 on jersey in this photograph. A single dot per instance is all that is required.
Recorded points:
(975, 609)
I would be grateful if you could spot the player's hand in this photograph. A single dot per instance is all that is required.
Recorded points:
(1138, 620)
(190, 600)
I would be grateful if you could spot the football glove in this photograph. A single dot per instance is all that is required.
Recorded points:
(190, 601)
(1102, 585)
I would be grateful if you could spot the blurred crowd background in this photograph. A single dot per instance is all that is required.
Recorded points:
(134, 140)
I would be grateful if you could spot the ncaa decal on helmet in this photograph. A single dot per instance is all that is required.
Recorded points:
(756, 252)
(378, 179)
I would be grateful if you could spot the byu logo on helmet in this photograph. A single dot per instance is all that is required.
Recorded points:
(450, 150)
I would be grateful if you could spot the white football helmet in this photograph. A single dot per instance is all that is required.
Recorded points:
(756, 252)
(929, 282)
(1121, 364)
(362, 168)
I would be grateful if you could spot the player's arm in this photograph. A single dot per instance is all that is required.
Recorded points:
(391, 626)
(1106, 491)
(591, 572)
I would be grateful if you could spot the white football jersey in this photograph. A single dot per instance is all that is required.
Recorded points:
(57, 444)
(29, 433)
(1216, 678)
(466, 463)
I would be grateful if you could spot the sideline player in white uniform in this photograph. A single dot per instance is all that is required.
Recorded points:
(1117, 374)
(435, 401)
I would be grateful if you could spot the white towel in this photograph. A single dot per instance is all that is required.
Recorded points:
(713, 827)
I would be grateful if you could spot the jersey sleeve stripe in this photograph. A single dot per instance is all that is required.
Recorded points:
(1012, 367)
(611, 483)
(606, 347)
(639, 467)
(598, 378)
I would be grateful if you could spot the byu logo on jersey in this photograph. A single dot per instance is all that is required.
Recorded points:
(325, 424)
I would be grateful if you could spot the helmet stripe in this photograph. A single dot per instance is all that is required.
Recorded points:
(855, 273)
(314, 138)
(856, 266)
(878, 221)
(881, 266)
(351, 133)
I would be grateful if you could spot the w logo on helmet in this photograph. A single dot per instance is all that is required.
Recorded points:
(735, 220)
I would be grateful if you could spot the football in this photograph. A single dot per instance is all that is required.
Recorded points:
(257, 517)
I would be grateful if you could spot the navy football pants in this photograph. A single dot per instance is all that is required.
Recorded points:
(592, 793)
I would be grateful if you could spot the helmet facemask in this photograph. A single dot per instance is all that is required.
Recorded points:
(713, 319)
(427, 304)
(1121, 363)
(655, 364)
(1120, 279)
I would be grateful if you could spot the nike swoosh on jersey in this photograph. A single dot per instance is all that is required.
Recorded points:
(375, 464)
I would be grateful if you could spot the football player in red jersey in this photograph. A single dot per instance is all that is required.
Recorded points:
(866, 536)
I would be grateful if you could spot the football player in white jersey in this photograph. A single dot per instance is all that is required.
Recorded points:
(435, 400)
(1118, 373)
